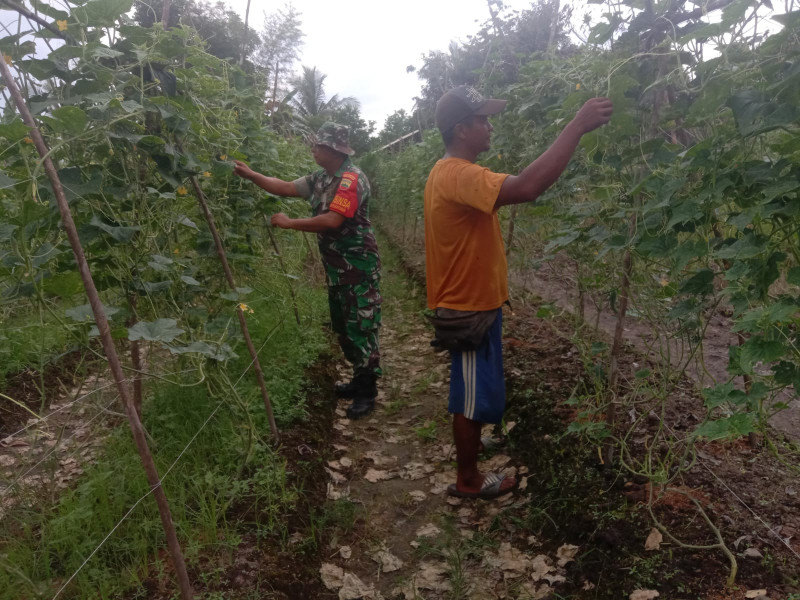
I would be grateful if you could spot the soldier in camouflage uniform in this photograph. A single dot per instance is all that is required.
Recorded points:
(339, 195)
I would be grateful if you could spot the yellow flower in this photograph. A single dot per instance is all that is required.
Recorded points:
(27, 140)
(206, 174)
(62, 25)
(664, 282)
(176, 251)
(182, 191)
(223, 157)
(244, 308)
(111, 152)
(7, 58)
(577, 86)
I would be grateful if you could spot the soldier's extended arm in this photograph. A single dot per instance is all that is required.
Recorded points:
(273, 185)
(545, 170)
(319, 224)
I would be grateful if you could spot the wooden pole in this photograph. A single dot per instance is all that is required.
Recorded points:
(283, 268)
(105, 336)
(244, 37)
(201, 198)
(165, 14)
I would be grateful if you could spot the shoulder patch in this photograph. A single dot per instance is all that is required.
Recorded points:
(345, 202)
(348, 179)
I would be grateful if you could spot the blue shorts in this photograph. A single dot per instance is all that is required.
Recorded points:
(477, 384)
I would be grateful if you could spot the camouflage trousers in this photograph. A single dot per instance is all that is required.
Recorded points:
(356, 318)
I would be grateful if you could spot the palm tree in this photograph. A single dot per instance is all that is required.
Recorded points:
(309, 99)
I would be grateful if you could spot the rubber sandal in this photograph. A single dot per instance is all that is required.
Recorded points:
(490, 488)
(491, 443)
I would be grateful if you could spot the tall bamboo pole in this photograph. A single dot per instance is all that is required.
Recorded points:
(244, 38)
(283, 268)
(201, 199)
(105, 335)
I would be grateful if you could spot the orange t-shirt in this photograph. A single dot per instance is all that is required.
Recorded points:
(465, 258)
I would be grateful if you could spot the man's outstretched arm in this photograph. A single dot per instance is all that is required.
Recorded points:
(319, 224)
(545, 170)
(273, 185)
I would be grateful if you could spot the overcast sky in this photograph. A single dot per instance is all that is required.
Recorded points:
(364, 46)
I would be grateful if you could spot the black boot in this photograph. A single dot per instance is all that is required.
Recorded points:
(361, 407)
(366, 388)
(345, 390)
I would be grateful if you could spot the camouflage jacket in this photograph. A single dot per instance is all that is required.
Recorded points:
(350, 253)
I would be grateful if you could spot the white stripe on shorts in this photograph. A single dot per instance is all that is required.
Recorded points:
(469, 372)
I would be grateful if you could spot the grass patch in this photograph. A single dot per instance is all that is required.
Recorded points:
(226, 477)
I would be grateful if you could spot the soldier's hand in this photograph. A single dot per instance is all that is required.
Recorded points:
(281, 220)
(242, 170)
(594, 113)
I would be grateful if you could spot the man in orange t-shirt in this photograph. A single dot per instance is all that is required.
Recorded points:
(466, 267)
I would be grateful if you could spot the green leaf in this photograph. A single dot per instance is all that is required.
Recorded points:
(152, 287)
(701, 283)
(722, 394)
(54, 13)
(657, 246)
(728, 428)
(186, 221)
(779, 190)
(84, 312)
(14, 131)
(792, 277)
(545, 311)
(102, 13)
(688, 211)
(757, 349)
(756, 114)
(642, 374)
(687, 251)
(598, 348)
(64, 285)
(7, 231)
(121, 234)
(759, 318)
(71, 118)
(221, 352)
(189, 280)
(105, 52)
(44, 254)
(749, 246)
(161, 330)
(237, 295)
(160, 263)
(787, 373)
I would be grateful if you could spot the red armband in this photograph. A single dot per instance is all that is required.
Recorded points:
(345, 202)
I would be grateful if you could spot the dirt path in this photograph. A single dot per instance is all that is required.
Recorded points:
(413, 540)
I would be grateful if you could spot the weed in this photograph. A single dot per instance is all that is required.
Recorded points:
(427, 432)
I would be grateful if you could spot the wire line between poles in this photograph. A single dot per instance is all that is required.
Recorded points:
(161, 479)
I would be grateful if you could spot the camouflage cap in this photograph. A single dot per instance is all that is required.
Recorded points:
(335, 136)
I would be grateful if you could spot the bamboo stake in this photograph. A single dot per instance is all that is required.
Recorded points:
(105, 335)
(283, 268)
(201, 198)
(616, 348)
(165, 14)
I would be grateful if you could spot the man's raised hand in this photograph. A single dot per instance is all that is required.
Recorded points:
(280, 220)
(594, 113)
(242, 170)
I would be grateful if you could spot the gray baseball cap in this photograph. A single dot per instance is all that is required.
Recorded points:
(462, 102)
